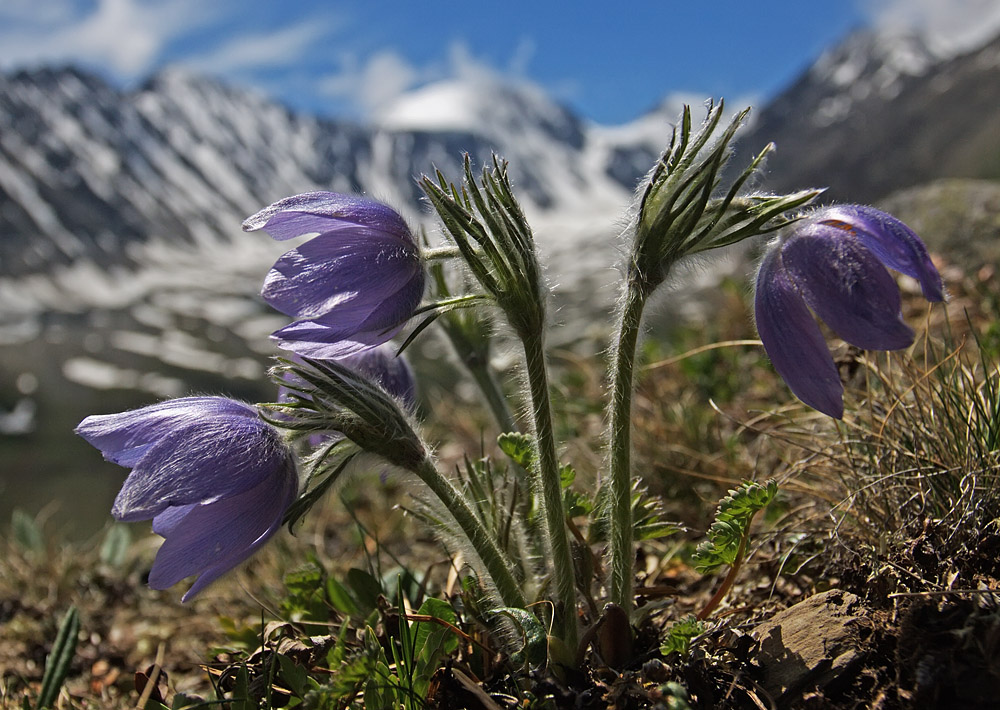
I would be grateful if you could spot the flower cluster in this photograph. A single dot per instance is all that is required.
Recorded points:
(215, 478)
(219, 477)
(833, 263)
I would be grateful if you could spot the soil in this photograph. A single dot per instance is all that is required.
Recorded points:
(861, 646)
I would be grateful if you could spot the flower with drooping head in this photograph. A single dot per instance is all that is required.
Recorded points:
(214, 477)
(833, 263)
(350, 288)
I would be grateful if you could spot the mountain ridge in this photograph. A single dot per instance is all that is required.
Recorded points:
(885, 127)
(91, 172)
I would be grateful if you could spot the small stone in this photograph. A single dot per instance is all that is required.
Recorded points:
(812, 643)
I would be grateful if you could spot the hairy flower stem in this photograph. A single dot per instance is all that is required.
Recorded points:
(546, 470)
(620, 510)
(494, 396)
(480, 539)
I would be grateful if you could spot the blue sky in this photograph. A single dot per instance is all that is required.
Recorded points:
(352, 57)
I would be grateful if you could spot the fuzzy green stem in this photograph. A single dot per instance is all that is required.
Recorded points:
(480, 539)
(473, 351)
(546, 471)
(620, 509)
(494, 396)
(440, 253)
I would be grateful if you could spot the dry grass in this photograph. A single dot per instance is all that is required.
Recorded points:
(907, 483)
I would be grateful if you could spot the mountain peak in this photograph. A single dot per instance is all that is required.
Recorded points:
(483, 105)
(180, 81)
(874, 62)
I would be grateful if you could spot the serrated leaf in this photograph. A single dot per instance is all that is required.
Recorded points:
(648, 515)
(351, 670)
(434, 641)
(655, 530)
(304, 580)
(306, 598)
(679, 636)
(519, 447)
(732, 523)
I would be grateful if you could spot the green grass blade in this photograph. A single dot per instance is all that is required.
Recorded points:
(58, 662)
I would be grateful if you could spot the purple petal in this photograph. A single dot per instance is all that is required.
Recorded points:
(126, 437)
(348, 275)
(395, 309)
(165, 522)
(895, 244)
(846, 286)
(324, 342)
(214, 538)
(212, 458)
(793, 340)
(322, 212)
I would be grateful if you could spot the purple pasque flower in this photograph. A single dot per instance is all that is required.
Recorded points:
(350, 288)
(214, 477)
(832, 263)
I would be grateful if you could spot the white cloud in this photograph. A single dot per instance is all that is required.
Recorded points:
(125, 36)
(465, 65)
(373, 83)
(280, 47)
(524, 52)
(954, 25)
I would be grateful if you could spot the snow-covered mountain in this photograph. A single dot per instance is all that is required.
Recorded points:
(867, 64)
(107, 196)
(125, 276)
(88, 171)
(95, 180)
(881, 112)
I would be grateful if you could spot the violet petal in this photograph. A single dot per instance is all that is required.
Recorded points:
(321, 212)
(349, 274)
(198, 463)
(392, 373)
(895, 244)
(216, 537)
(395, 309)
(323, 342)
(164, 523)
(846, 286)
(126, 437)
(794, 341)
